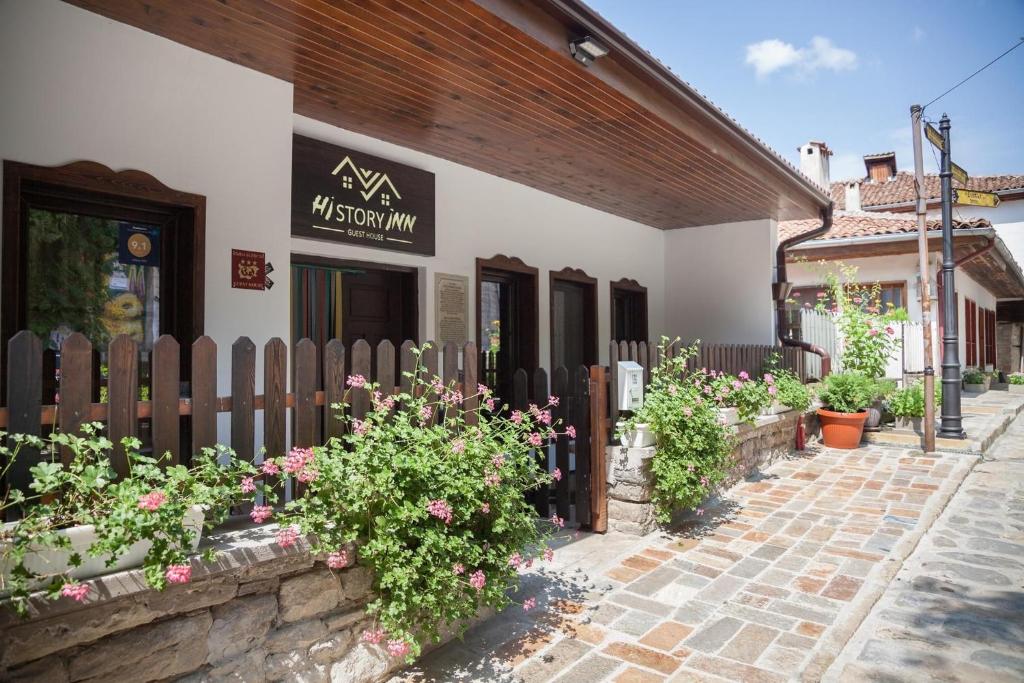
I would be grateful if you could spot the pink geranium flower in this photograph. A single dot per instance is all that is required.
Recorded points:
(152, 501)
(498, 461)
(356, 381)
(477, 580)
(297, 459)
(485, 508)
(287, 537)
(517, 416)
(557, 521)
(772, 390)
(360, 427)
(178, 573)
(570, 432)
(270, 467)
(261, 513)
(426, 412)
(515, 561)
(458, 446)
(744, 375)
(529, 604)
(338, 559)
(535, 439)
(373, 635)
(440, 509)
(549, 554)
(76, 591)
(556, 474)
(248, 485)
(398, 648)
(492, 480)
(553, 400)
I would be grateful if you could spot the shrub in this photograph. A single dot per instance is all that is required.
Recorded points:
(149, 503)
(848, 392)
(867, 331)
(789, 390)
(909, 401)
(433, 504)
(972, 376)
(749, 397)
(693, 445)
(1015, 378)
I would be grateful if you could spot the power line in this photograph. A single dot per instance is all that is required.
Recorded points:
(1019, 43)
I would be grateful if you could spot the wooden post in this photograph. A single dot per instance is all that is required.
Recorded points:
(598, 441)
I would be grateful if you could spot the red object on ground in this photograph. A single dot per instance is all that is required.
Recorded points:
(800, 434)
(841, 430)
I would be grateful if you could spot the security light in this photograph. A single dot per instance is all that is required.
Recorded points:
(586, 49)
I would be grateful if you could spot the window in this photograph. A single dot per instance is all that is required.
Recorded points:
(971, 332)
(629, 311)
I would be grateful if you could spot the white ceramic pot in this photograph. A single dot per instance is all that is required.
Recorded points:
(640, 437)
(55, 560)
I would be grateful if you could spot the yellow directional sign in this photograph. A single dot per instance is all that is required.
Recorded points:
(976, 198)
(959, 173)
(934, 136)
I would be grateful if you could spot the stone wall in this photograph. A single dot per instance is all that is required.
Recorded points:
(257, 613)
(630, 482)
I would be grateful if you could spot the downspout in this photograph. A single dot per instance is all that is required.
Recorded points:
(781, 289)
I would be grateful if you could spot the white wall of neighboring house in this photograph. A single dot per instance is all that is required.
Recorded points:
(1007, 218)
(718, 282)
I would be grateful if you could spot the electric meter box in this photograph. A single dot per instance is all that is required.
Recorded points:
(631, 385)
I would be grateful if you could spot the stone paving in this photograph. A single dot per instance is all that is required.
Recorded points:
(955, 611)
(767, 586)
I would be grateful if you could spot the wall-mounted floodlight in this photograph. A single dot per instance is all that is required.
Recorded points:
(586, 49)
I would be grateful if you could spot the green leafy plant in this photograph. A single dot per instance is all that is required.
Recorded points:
(694, 445)
(789, 390)
(972, 376)
(848, 392)
(1015, 378)
(749, 397)
(431, 495)
(909, 401)
(149, 504)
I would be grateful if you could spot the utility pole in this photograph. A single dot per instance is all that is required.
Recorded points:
(952, 422)
(926, 296)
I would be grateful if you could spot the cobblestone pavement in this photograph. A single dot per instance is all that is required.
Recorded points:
(767, 586)
(955, 611)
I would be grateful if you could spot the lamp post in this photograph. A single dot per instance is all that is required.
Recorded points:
(952, 422)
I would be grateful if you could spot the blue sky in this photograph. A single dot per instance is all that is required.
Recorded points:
(847, 73)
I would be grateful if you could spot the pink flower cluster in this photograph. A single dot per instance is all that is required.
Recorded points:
(535, 439)
(440, 509)
(452, 398)
(492, 480)
(297, 459)
(76, 591)
(477, 580)
(483, 390)
(356, 381)
(553, 400)
(373, 635)
(152, 501)
(458, 446)
(398, 648)
(517, 416)
(557, 521)
(270, 467)
(516, 561)
(338, 559)
(485, 508)
(458, 569)
(556, 474)
(571, 431)
(360, 427)
(261, 513)
(287, 537)
(529, 604)
(248, 485)
(178, 573)
(425, 413)
(498, 461)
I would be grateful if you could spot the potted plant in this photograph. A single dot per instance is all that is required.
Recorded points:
(846, 397)
(80, 519)
(1015, 382)
(907, 405)
(634, 435)
(741, 398)
(974, 381)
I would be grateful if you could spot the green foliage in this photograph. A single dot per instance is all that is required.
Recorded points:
(149, 504)
(748, 397)
(789, 390)
(693, 445)
(909, 401)
(972, 376)
(433, 504)
(1015, 378)
(867, 330)
(848, 392)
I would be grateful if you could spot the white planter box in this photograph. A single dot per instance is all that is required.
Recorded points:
(640, 437)
(974, 388)
(913, 424)
(775, 408)
(55, 561)
(1015, 388)
(731, 416)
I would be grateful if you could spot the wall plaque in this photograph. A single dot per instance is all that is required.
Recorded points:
(451, 308)
(346, 196)
(248, 269)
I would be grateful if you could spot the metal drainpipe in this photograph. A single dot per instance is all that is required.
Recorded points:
(781, 288)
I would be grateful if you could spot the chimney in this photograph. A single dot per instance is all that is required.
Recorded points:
(814, 162)
(852, 202)
(880, 167)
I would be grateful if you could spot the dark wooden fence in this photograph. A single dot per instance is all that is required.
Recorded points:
(182, 416)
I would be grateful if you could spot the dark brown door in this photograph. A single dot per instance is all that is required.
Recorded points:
(376, 307)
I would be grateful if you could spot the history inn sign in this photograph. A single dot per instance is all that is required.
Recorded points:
(346, 196)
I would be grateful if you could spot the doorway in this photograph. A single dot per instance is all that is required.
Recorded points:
(353, 300)
(573, 319)
(629, 311)
(506, 314)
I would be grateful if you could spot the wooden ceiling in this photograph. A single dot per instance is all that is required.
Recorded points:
(491, 84)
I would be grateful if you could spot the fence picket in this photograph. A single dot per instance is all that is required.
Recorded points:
(24, 402)
(429, 360)
(75, 386)
(386, 366)
(360, 398)
(542, 497)
(204, 394)
(275, 410)
(166, 385)
(644, 360)
(472, 402)
(614, 349)
(451, 363)
(560, 388)
(334, 389)
(243, 398)
(123, 395)
(304, 425)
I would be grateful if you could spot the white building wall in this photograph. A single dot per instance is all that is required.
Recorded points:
(1007, 218)
(718, 283)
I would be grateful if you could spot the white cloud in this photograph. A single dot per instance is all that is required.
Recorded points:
(769, 56)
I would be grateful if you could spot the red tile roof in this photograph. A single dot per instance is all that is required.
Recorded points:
(900, 189)
(867, 224)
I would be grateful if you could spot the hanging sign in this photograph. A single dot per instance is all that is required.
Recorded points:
(248, 269)
(346, 196)
(934, 136)
(138, 245)
(976, 198)
(958, 173)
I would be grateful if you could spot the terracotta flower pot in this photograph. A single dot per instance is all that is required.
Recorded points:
(841, 430)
